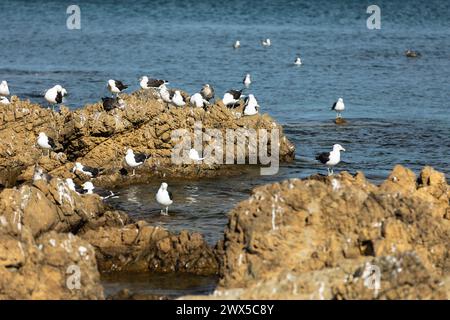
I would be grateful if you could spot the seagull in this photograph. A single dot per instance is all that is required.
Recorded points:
(165, 94)
(55, 95)
(39, 174)
(412, 54)
(247, 80)
(237, 44)
(194, 156)
(231, 97)
(266, 43)
(207, 92)
(112, 103)
(330, 159)
(134, 159)
(45, 142)
(338, 106)
(298, 61)
(198, 101)
(178, 99)
(89, 171)
(4, 100)
(4, 90)
(164, 198)
(86, 188)
(147, 83)
(116, 86)
(71, 184)
(251, 105)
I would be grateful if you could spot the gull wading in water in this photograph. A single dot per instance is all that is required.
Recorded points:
(330, 159)
(164, 198)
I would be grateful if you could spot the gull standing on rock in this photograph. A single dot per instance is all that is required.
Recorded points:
(251, 105)
(4, 89)
(164, 198)
(231, 97)
(330, 159)
(338, 106)
(112, 103)
(4, 100)
(45, 142)
(55, 95)
(247, 80)
(165, 94)
(237, 44)
(194, 156)
(116, 86)
(198, 101)
(86, 170)
(39, 174)
(147, 83)
(178, 100)
(134, 159)
(207, 92)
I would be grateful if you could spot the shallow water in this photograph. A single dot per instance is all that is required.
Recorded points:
(397, 108)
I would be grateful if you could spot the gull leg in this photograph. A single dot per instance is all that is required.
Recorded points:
(329, 171)
(134, 172)
(167, 211)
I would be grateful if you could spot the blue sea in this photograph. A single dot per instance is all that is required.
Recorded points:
(397, 108)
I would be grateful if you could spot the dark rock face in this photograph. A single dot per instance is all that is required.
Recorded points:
(310, 239)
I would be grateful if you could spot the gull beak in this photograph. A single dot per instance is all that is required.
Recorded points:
(343, 149)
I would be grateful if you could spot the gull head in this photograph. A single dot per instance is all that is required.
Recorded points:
(338, 147)
(164, 186)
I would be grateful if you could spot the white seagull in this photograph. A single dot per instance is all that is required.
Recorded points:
(198, 101)
(338, 106)
(247, 80)
(88, 188)
(135, 159)
(266, 43)
(165, 94)
(89, 171)
(298, 61)
(231, 97)
(147, 83)
(4, 100)
(164, 198)
(330, 159)
(237, 44)
(55, 95)
(45, 142)
(4, 90)
(194, 156)
(207, 92)
(178, 99)
(251, 105)
(116, 86)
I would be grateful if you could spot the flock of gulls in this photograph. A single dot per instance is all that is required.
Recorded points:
(203, 99)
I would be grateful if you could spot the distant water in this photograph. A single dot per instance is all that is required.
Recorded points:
(397, 108)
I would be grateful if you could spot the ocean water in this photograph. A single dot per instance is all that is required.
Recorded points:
(397, 108)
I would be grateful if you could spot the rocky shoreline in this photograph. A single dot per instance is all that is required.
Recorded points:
(298, 239)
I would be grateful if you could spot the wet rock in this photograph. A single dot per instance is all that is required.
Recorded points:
(126, 294)
(306, 238)
(140, 247)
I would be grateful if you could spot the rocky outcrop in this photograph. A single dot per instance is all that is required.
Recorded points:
(323, 237)
(100, 139)
(54, 266)
(140, 247)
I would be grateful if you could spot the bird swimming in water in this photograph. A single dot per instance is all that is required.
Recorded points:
(266, 42)
(298, 61)
(237, 44)
(330, 159)
(247, 80)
